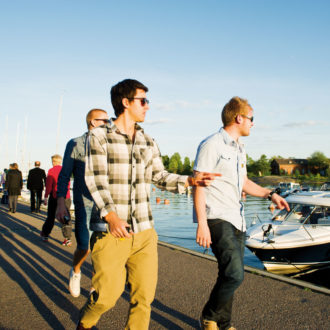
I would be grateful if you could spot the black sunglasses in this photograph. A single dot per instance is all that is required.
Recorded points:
(104, 120)
(251, 118)
(143, 100)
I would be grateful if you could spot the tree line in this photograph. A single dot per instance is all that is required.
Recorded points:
(174, 164)
(317, 163)
(262, 166)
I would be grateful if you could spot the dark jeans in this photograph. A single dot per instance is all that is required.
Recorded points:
(12, 201)
(50, 220)
(35, 199)
(228, 247)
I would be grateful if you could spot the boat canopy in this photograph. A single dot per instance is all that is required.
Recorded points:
(321, 198)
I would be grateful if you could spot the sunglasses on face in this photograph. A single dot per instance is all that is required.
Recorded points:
(104, 120)
(143, 100)
(251, 118)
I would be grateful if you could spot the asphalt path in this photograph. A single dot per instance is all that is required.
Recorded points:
(34, 293)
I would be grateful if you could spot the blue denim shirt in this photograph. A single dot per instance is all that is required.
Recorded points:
(74, 164)
(220, 153)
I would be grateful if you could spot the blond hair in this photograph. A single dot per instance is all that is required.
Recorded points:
(236, 106)
(56, 159)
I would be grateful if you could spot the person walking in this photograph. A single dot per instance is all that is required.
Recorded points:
(51, 200)
(14, 185)
(4, 198)
(219, 210)
(35, 183)
(74, 164)
(121, 163)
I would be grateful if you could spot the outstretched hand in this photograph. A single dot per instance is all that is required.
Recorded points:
(280, 202)
(204, 179)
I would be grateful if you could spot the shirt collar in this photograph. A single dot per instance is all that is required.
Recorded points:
(229, 140)
(113, 126)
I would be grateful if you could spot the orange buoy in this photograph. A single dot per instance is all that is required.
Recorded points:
(271, 208)
(166, 201)
(157, 200)
(153, 189)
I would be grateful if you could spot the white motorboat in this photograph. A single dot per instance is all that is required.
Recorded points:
(286, 188)
(294, 241)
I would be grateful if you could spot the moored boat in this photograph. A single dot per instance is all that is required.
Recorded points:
(294, 241)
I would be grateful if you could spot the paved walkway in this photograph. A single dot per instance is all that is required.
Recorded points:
(34, 294)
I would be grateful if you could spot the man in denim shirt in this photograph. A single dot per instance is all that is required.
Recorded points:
(219, 210)
(74, 164)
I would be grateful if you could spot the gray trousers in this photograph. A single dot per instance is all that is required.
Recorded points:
(12, 202)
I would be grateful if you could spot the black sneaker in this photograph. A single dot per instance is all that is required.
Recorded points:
(43, 237)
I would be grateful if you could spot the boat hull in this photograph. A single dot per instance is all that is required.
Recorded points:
(293, 260)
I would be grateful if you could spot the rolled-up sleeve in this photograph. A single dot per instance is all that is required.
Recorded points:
(96, 174)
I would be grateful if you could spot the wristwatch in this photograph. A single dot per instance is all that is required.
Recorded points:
(271, 194)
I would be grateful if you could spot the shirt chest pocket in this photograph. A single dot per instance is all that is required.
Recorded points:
(143, 156)
(227, 164)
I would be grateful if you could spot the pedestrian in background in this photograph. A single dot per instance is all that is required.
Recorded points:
(35, 183)
(74, 165)
(14, 185)
(4, 198)
(51, 191)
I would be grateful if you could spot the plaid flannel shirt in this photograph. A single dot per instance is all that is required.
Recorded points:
(119, 174)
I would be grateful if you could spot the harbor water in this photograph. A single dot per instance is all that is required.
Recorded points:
(174, 225)
(174, 222)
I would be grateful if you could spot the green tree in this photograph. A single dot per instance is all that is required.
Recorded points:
(296, 174)
(328, 172)
(250, 164)
(173, 166)
(318, 162)
(177, 158)
(186, 168)
(261, 166)
(166, 161)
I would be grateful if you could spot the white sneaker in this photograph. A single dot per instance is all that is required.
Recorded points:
(74, 283)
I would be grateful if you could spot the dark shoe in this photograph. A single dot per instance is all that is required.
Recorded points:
(43, 237)
(81, 327)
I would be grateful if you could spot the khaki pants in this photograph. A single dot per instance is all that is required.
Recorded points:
(113, 259)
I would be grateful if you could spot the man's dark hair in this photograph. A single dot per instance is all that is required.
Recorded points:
(124, 89)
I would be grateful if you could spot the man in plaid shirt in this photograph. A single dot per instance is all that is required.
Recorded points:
(122, 162)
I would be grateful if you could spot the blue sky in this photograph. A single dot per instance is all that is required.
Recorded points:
(193, 55)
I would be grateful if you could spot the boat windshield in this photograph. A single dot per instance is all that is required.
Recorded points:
(299, 213)
(326, 186)
(304, 214)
